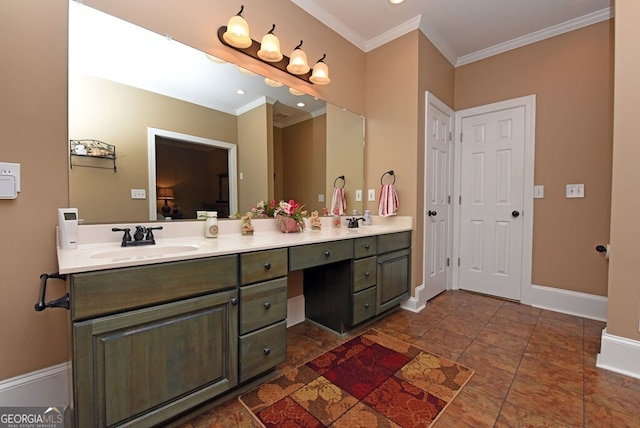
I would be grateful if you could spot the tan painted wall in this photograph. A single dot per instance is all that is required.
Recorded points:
(571, 76)
(253, 159)
(33, 133)
(624, 269)
(344, 144)
(118, 114)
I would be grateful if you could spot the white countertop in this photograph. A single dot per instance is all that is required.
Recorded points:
(99, 248)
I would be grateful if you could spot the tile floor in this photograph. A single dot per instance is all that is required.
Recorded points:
(534, 368)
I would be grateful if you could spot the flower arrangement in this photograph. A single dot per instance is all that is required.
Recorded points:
(290, 213)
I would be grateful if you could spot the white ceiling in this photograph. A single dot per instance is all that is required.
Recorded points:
(463, 30)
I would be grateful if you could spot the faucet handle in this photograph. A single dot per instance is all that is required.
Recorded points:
(126, 237)
(150, 230)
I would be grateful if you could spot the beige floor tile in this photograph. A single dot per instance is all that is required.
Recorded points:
(512, 416)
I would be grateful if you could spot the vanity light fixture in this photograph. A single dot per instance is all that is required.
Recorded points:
(270, 47)
(272, 83)
(320, 75)
(237, 31)
(295, 92)
(298, 62)
(236, 35)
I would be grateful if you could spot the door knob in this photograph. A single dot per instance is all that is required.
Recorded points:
(515, 214)
(432, 213)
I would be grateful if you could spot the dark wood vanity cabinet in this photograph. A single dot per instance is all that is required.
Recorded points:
(394, 270)
(146, 352)
(263, 311)
(151, 342)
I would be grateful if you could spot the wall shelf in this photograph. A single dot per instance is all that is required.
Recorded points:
(91, 149)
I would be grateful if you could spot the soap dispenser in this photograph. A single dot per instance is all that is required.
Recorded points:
(367, 218)
(211, 225)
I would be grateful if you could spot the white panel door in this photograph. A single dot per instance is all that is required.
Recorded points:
(492, 184)
(437, 196)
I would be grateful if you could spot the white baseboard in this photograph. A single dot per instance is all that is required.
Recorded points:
(569, 302)
(416, 303)
(619, 354)
(295, 310)
(46, 387)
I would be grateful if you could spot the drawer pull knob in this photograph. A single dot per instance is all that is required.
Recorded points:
(327, 253)
(267, 305)
(367, 274)
(366, 305)
(366, 247)
(234, 301)
(267, 265)
(266, 351)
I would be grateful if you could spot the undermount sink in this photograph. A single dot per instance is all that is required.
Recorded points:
(143, 252)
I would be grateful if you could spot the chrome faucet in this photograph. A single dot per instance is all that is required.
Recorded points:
(353, 222)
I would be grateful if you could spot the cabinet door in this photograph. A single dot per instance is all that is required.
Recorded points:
(393, 279)
(148, 365)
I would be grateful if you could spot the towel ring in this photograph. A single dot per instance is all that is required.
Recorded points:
(391, 173)
(340, 177)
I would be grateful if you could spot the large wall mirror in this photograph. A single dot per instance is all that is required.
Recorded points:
(184, 139)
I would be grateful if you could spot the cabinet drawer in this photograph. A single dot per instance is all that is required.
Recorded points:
(263, 265)
(364, 305)
(364, 247)
(364, 273)
(262, 350)
(115, 290)
(393, 241)
(307, 256)
(262, 304)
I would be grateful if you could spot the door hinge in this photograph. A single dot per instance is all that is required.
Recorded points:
(461, 137)
(460, 200)
(449, 199)
(450, 137)
(448, 262)
(458, 261)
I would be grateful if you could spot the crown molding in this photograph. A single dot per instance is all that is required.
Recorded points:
(394, 33)
(556, 30)
(438, 41)
(332, 22)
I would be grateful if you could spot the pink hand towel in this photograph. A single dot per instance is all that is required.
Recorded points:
(388, 203)
(338, 202)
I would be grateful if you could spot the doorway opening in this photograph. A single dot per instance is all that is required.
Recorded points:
(198, 174)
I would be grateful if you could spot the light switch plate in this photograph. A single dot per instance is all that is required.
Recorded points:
(321, 197)
(7, 168)
(138, 194)
(358, 195)
(372, 194)
(8, 187)
(575, 190)
(538, 192)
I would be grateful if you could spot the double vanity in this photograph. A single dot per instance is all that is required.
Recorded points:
(158, 330)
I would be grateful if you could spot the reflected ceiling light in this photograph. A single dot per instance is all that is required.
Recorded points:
(215, 59)
(240, 91)
(295, 92)
(269, 51)
(301, 104)
(237, 32)
(272, 83)
(320, 75)
(270, 47)
(396, 1)
(298, 62)
(245, 71)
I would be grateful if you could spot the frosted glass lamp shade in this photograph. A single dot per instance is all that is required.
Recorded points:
(237, 34)
(298, 62)
(320, 75)
(270, 48)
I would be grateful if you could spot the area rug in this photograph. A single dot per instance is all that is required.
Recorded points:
(372, 380)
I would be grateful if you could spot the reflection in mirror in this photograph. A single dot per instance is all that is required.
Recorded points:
(125, 82)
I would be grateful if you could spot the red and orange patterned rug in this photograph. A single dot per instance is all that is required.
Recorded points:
(370, 380)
